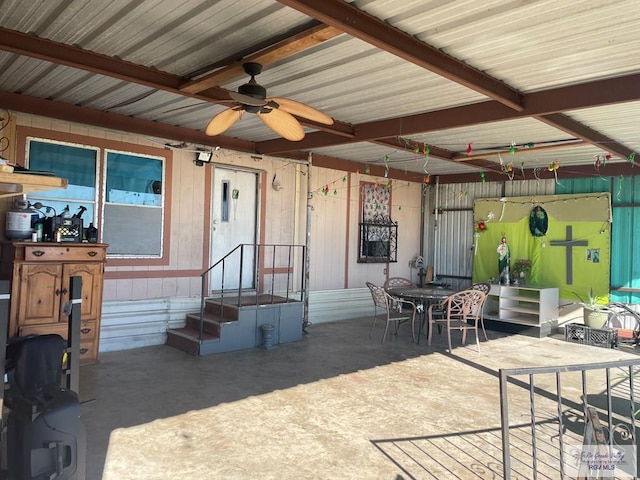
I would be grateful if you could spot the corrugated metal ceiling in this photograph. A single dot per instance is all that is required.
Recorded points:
(531, 46)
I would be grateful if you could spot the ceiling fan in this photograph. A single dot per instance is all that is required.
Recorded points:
(276, 113)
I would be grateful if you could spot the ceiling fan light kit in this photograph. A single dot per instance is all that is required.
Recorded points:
(275, 113)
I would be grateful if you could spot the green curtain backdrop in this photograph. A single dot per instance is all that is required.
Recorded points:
(588, 215)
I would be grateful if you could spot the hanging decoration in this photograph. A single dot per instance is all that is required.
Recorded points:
(425, 151)
(480, 227)
(512, 149)
(619, 192)
(522, 170)
(469, 149)
(367, 170)
(536, 174)
(631, 158)
(508, 170)
(553, 167)
(598, 162)
(482, 177)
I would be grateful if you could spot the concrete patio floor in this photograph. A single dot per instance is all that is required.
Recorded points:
(336, 405)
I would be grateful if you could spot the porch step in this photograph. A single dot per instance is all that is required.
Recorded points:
(231, 324)
(209, 325)
(187, 339)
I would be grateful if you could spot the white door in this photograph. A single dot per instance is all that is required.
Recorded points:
(233, 222)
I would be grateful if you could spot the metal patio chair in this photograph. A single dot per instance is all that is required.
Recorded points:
(484, 288)
(398, 282)
(392, 310)
(460, 311)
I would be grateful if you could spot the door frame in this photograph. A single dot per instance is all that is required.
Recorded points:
(259, 217)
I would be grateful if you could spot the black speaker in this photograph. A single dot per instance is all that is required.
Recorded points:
(46, 439)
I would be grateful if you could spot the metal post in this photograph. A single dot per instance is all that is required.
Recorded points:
(73, 363)
(504, 416)
(5, 295)
(305, 278)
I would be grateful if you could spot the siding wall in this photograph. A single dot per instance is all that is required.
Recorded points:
(142, 301)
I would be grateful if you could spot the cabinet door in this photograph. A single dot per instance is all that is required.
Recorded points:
(40, 293)
(91, 274)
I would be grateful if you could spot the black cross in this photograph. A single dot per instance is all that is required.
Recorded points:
(569, 243)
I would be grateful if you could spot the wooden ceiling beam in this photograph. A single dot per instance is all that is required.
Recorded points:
(58, 53)
(589, 135)
(376, 32)
(283, 49)
(585, 95)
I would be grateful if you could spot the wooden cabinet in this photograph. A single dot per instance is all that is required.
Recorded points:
(40, 274)
(525, 309)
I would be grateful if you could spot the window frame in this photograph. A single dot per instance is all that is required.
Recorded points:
(22, 132)
(104, 202)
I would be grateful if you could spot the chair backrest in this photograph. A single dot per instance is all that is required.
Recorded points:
(396, 282)
(380, 297)
(464, 304)
(483, 287)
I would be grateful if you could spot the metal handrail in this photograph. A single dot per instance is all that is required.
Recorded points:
(510, 375)
(257, 249)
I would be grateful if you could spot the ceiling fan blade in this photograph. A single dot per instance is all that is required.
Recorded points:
(248, 99)
(301, 110)
(223, 121)
(283, 123)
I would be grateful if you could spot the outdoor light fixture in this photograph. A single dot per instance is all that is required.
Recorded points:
(202, 158)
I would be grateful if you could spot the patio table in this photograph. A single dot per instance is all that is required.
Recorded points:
(425, 296)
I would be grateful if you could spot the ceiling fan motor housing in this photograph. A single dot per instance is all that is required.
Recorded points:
(253, 89)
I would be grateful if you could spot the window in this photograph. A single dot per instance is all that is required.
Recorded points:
(132, 222)
(378, 233)
(78, 164)
(130, 210)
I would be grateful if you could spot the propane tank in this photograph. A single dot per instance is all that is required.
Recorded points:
(21, 220)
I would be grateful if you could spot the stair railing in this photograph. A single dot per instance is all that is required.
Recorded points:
(293, 254)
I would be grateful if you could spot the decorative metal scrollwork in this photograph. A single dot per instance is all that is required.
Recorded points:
(378, 240)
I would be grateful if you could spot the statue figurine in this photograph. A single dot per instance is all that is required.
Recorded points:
(504, 258)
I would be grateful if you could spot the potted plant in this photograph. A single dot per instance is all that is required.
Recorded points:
(520, 271)
(595, 308)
